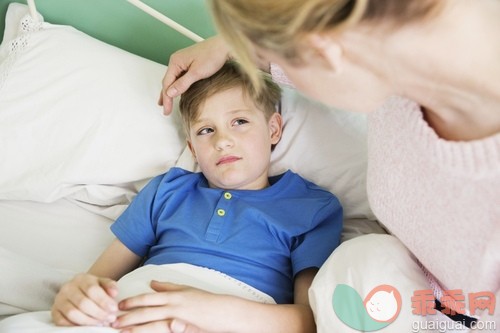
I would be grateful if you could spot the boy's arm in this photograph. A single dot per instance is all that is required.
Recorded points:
(303, 282)
(116, 261)
(206, 312)
(88, 299)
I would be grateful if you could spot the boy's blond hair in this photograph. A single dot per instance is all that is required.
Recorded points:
(229, 76)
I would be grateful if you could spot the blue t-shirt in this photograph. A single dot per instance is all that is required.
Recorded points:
(261, 237)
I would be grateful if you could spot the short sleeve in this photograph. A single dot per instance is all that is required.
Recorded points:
(135, 227)
(312, 248)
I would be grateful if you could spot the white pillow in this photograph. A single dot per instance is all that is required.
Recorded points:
(366, 264)
(326, 146)
(78, 117)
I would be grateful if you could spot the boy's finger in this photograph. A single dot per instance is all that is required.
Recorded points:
(95, 302)
(166, 286)
(72, 315)
(110, 286)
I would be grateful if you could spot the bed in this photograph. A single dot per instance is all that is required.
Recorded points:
(81, 133)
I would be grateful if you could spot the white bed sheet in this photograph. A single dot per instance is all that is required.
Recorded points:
(34, 253)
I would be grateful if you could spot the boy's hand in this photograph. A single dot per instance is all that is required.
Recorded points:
(174, 309)
(86, 300)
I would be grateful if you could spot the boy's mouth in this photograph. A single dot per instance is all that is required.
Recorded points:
(227, 160)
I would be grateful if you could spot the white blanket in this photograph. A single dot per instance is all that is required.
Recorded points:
(137, 282)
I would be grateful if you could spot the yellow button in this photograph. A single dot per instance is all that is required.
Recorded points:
(221, 212)
(227, 195)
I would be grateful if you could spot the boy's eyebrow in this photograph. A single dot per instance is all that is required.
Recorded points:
(201, 120)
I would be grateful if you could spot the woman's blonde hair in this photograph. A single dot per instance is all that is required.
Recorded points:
(278, 26)
(229, 76)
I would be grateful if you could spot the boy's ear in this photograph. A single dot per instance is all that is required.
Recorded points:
(275, 127)
(191, 148)
(325, 51)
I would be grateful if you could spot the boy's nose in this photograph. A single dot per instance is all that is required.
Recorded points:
(223, 141)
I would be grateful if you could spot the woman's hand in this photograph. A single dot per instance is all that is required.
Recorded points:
(86, 300)
(189, 65)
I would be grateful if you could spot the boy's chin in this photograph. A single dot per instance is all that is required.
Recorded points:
(230, 183)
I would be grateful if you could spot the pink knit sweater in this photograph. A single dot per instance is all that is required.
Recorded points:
(440, 198)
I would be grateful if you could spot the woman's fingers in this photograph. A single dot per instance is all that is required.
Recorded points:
(175, 70)
(189, 65)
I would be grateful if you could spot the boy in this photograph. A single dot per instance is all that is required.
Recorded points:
(271, 233)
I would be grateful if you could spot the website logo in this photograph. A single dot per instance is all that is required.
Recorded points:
(379, 308)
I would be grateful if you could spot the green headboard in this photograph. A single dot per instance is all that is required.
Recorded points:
(120, 23)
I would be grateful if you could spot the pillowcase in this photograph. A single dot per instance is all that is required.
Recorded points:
(326, 146)
(363, 264)
(78, 117)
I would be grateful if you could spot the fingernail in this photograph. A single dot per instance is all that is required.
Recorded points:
(172, 92)
(177, 326)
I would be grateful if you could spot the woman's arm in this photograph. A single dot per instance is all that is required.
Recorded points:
(209, 312)
(89, 299)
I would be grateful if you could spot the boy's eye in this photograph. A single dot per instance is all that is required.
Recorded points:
(205, 131)
(240, 122)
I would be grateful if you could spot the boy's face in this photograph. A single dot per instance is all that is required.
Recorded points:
(231, 141)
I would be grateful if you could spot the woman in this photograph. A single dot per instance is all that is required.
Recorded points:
(428, 73)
